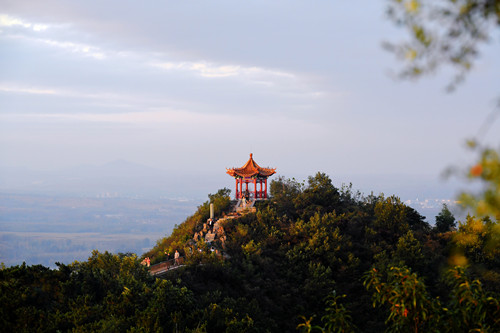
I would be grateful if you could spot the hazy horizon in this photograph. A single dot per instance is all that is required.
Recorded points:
(129, 179)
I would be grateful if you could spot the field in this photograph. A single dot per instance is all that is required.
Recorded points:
(48, 229)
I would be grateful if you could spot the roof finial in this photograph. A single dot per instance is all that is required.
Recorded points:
(251, 155)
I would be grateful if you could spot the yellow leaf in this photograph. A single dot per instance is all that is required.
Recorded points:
(457, 260)
(411, 54)
(412, 6)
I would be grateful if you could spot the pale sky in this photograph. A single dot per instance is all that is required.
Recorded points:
(198, 85)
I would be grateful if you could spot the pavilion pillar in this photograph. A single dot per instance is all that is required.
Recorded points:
(236, 192)
(265, 188)
(255, 188)
(241, 188)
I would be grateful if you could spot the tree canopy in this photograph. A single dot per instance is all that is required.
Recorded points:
(445, 221)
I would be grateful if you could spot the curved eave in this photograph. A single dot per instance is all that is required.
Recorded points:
(250, 169)
(241, 173)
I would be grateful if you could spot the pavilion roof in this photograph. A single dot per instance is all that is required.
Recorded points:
(250, 169)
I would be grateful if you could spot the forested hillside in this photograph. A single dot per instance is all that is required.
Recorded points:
(314, 257)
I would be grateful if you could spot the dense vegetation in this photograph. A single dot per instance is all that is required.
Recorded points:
(313, 258)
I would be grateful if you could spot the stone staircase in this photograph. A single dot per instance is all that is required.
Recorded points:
(245, 205)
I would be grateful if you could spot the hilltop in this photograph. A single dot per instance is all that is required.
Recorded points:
(287, 264)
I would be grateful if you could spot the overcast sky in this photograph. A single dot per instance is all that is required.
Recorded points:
(198, 85)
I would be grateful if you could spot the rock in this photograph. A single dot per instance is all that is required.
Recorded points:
(209, 237)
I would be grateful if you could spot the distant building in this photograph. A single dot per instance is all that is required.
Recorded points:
(251, 173)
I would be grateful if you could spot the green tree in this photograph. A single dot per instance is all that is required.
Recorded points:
(412, 309)
(475, 309)
(337, 318)
(390, 219)
(319, 196)
(283, 193)
(409, 252)
(476, 245)
(445, 221)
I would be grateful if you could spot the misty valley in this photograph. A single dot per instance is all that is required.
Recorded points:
(39, 229)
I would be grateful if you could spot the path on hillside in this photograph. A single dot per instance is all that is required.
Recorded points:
(165, 266)
(239, 208)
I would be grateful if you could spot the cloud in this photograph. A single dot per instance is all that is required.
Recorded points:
(74, 47)
(154, 79)
(103, 96)
(153, 116)
(211, 70)
(128, 117)
(27, 90)
(84, 49)
(9, 21)
(285, 84)
(280, 83)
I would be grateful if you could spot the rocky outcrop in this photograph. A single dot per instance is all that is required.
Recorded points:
(213, 231)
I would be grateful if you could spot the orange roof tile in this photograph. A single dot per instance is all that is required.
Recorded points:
(250, 169)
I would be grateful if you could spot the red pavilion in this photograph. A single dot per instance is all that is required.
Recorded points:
(251, 173)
